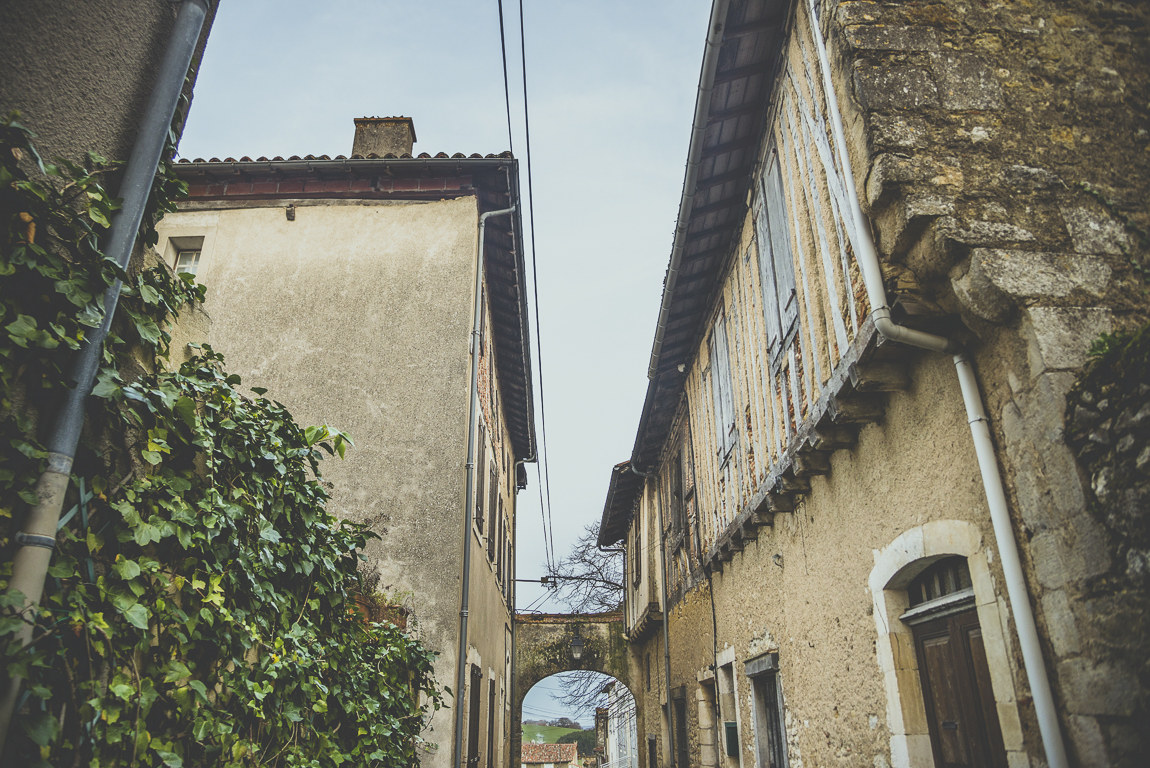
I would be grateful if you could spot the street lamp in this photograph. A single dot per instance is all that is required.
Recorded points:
(577, 646)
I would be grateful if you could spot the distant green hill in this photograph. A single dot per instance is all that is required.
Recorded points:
(549, 733)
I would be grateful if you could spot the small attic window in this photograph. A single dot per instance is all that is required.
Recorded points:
(187, 261)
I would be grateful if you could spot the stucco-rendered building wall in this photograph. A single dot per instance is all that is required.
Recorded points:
(345, 288)
(802, 475)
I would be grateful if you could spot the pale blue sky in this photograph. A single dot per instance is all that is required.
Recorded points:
(612, 91)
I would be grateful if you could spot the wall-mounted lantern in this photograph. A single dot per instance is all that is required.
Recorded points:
(577, 646)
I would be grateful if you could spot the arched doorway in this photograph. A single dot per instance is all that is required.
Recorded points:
(594, 712)
(549, 644)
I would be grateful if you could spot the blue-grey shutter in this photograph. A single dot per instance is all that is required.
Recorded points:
(776, 263)
(721, 382)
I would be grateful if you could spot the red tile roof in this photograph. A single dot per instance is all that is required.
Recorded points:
(388, 156)
(550, 753)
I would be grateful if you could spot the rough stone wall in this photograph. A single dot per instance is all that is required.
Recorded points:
(1108, 424)
(1005, 146)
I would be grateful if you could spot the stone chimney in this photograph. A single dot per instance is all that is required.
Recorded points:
(382, 136)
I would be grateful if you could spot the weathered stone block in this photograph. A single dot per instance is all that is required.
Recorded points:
(996, 279)
(884, 38)
(889, 170)
(1060, 337)
(1026, 177)
(1097, 689)
(965, 82)
(860, 12)
(1093, 231)
(1070, 554)
(1088, 742)
(1062, 628)
(902, 131)
(884, 88)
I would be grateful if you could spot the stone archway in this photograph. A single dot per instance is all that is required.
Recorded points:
(543, 648)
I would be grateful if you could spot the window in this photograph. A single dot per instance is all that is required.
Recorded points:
(480, 475)
(721, 394)
(187, 261)
(492, 510)
(776, 264)
(770, 735)
(636, 556)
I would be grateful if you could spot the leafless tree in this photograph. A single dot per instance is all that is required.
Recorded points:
(587, 579)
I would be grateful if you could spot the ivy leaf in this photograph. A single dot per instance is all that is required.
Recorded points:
(106, 383)
(23, 331)
(137, 616)
(146, 533)
(177, 670)
(127, 569)
(149, 294)
(186, 409)
(171, 759)
(42, 728)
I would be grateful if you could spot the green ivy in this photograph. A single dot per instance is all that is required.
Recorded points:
(197, 610)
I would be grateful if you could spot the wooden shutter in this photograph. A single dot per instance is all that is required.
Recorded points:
(493, 502)
(480, 474)
(776, 262)
(721, 386)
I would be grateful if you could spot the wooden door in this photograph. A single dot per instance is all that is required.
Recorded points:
(960, 710)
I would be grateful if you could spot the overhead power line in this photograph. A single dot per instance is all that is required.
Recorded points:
(550, 528)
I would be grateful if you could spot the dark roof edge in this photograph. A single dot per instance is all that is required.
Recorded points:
(529, 453)
(622, 494)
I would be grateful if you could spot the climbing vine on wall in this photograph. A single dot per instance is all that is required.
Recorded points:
(197, 609)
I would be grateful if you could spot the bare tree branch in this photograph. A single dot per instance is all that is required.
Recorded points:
(586, 579)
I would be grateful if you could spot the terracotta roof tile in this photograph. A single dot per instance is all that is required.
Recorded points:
(388, 156)
(549, 753)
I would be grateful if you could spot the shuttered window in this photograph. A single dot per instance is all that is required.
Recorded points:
(481, 475)
(776, 262)
(723, 397)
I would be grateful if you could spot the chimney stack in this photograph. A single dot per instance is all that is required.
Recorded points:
(382, 136)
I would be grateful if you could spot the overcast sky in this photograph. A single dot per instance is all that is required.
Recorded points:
(612, 90)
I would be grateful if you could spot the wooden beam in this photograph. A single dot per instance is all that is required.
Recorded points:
(856, 410)
(879, 377)
(812, 463)
(832, 437)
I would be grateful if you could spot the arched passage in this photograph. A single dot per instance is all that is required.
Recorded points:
(543, 648)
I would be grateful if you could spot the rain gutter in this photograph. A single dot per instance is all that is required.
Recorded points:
(36, 539)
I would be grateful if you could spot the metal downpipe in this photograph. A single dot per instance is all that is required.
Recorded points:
(472, 425)
(38, 533)
(868, 260)
(694, 157)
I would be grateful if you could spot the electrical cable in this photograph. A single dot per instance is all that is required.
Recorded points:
(547, 554)
(506, 87)
(550, 529)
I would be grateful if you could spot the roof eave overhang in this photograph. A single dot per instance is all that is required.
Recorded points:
(727, 149)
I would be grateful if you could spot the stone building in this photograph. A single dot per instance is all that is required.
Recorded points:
(855, 532)
(375, 294)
